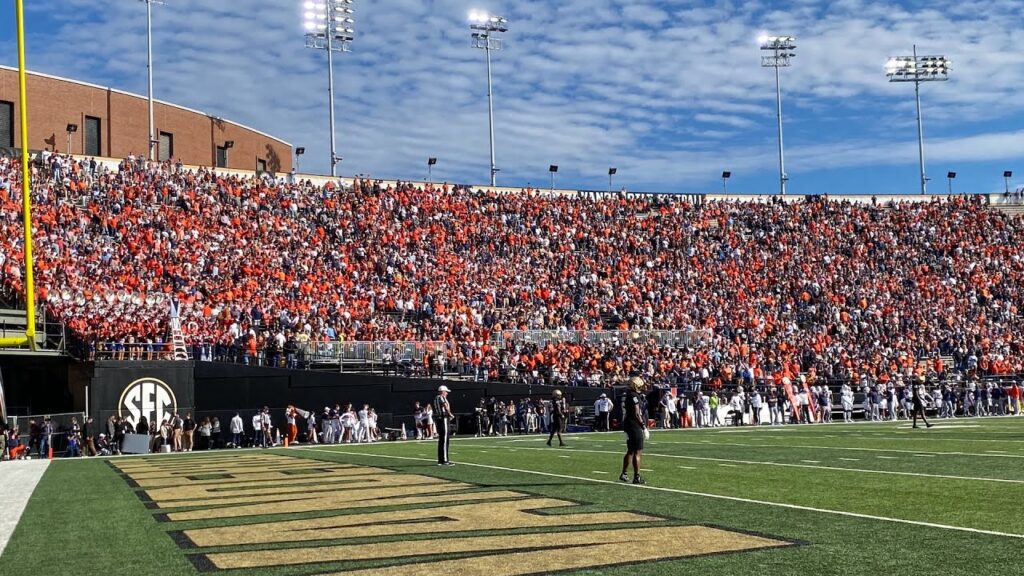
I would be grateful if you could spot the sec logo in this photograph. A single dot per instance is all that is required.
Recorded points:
(147, 397)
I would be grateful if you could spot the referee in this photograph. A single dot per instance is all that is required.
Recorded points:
(634, 423)
(442, 417)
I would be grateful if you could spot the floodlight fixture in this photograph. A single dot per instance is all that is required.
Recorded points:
(328, 25)
(551, 170)
(918, 69)
(300, 151)
(71, 129)
(780, 51)
(484, 26)
(1007, 174)
(611, 172)
(149, 75)
(431, 162)
(725, 181)
(229, 144)
(950, 176)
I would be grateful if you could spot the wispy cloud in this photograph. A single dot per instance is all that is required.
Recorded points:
(668, 91)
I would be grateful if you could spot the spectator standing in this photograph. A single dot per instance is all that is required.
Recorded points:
(215, 433)
(237, 428)
(45, 437)
(755, 407)
(177, 425)
(258, 438)
(188, 431)
(311, 428)
(89, 437)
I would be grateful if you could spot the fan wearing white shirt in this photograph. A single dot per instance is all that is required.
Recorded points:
(258, 439)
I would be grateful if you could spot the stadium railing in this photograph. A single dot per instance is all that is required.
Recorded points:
(670, 338)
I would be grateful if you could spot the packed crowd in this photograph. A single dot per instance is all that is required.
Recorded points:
(834, 290)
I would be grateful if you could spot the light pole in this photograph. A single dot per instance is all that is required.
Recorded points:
(951, 176)
(484, 26)
(72, 128)
(611, 172)
(298, 154)
(725, 180)
(329, 27)
(149, 72)
(552, 169)
(918, 69)
(1006, 176)
(430, 169)
(780, 49)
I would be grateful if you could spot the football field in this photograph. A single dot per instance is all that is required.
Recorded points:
(810, 500)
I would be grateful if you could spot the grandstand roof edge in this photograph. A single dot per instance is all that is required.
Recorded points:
(134, 95)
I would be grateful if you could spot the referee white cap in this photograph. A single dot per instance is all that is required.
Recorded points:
(443, 389)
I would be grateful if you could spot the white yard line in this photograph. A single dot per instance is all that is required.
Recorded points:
(808, 447)
(20, 479)
(703, 495)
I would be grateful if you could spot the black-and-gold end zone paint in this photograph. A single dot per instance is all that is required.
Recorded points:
(261, 510)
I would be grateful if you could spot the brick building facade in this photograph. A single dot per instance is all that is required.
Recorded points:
(114, 123)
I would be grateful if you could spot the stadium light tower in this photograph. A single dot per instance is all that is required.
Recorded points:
(918, 69)
(149, 72)
(1006, 176)
(780, 52)
(329, 27)
(484, 26)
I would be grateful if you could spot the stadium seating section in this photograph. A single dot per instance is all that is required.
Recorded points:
(827, 288)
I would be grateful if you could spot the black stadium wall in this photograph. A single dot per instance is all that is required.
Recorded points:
(216, 389)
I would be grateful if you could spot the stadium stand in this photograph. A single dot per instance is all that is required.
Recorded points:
(268, 271)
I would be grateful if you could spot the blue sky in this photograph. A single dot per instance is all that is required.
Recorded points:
(670, 92)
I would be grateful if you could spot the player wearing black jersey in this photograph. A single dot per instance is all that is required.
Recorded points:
(559, 413)
(634, 423)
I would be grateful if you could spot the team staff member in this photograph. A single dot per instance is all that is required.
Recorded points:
(634, 423)
(442, 417)
(559, 412)
(603, 409)
(919, 403)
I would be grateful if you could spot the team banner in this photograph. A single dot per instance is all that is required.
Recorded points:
(150, 390)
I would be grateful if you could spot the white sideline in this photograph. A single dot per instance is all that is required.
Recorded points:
(19, 479)
(699, 494)
(808, 465)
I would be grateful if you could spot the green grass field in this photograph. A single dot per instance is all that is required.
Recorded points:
(815, 500)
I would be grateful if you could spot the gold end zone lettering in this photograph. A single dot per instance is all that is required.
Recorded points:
(448, 518)
(518, 555)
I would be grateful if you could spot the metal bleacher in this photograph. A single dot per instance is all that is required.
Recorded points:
(49, 336)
